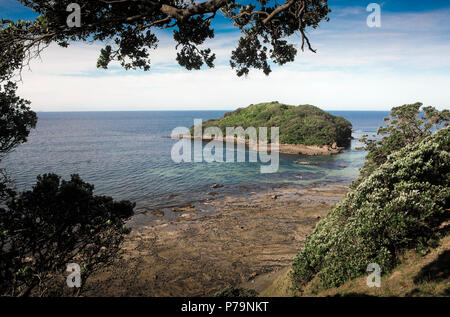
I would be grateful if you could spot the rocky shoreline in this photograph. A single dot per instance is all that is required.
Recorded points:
(295, 149)
(197, 250)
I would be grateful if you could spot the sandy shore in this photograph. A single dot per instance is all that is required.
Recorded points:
(200, 249)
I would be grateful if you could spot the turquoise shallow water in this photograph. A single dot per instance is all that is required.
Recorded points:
(127, 155)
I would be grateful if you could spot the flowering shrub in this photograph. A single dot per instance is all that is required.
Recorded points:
(397, 207)
(406, 125)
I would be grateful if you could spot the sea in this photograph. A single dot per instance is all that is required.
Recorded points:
(127, 155)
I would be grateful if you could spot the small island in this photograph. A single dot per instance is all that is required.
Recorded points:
(304, 129)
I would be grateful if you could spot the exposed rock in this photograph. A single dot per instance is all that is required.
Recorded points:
(253, 275)
(158, 213)
(199, 248)
(297, 149)
(217, 186)
(302, 163)
(309, 149)
(189, 207)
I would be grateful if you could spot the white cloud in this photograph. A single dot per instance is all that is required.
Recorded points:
(221, 89)
(360, 69)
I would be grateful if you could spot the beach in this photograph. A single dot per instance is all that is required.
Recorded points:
(246, 239)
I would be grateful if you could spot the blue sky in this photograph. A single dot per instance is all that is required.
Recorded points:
(356, 67)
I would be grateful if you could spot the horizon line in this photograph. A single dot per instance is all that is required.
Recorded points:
(180, 110)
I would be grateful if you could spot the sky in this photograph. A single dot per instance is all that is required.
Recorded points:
(405, 60)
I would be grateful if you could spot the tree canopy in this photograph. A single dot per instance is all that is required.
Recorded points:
(397, 202)
(56, 223)
(16, 118)
(399, 206)
(16, 122)
(406, 125)
(303, 124)
(130, 29)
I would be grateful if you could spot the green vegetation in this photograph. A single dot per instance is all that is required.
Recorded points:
(56, 223)
(417, 275)
(130, 30)
(406, 125)
(304, 124)
(397, 207)
(16, 118)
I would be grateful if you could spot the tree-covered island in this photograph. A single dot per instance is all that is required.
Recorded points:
(303, 129)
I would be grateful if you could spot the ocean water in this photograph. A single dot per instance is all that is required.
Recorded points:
(127, 155)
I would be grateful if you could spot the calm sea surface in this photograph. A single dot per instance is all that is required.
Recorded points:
(127, 155)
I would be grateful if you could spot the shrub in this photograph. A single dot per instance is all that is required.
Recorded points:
(395, 208)
(56, 223)
(406, 125)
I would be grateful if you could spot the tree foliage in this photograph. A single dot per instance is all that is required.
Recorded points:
(129, 27)
(406, 125)
(16, 122)
(304, 124)
(56, 223)
(397, 207)
(16, 118)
